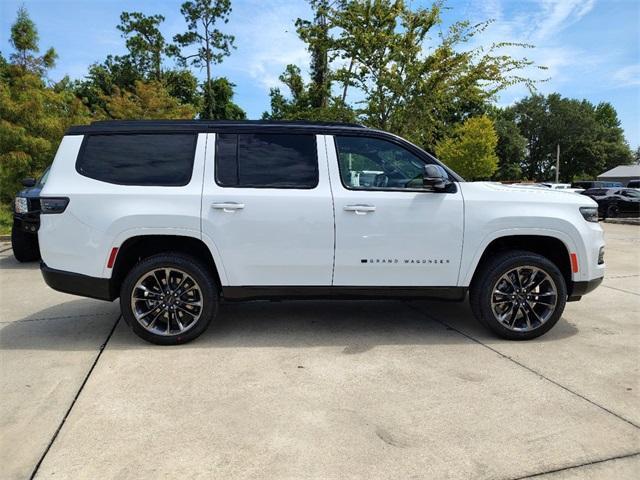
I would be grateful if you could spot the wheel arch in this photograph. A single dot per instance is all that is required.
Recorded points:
(138, 247)
(552, 247)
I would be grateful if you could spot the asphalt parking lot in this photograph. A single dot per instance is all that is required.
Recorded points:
(294, 390)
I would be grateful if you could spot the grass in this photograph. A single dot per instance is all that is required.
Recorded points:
(6, 218)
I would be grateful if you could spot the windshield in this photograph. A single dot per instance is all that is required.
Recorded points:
(43, 178)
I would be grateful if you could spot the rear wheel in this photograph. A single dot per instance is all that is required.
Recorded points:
(24, 245)
(519, 295)
(169, 299)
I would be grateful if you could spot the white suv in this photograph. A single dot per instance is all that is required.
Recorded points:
(174, 217)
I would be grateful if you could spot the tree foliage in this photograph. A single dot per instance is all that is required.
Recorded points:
(470, 150)
(146, 44)
(33, 118)
(147, 100)
(590, 137)
(511, 149)
(382, 53)
(219, 104)
(24, 39)
(212, 45)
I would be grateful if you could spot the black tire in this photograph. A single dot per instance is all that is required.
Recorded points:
(612, 211)
(25, 245)
(198, 273)
(482, 288)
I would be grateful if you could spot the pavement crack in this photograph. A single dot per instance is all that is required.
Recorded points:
(522, 365)
(56, 318)
(621, 290)
(75, 398)
(571, 467)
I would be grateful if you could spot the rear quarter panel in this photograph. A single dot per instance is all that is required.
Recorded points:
(102, 215)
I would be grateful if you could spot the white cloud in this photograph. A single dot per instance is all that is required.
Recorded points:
(266, 40)
(556, 15)
(537, 22)
(627, 76)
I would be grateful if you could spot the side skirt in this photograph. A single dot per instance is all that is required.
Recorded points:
(346, 293)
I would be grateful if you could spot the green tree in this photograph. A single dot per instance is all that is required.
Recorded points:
(202, 16)
(590, 137)
(24, 39)
(146, 44)
(511, 149)
(300, 103)
(401, 85)
(147, 100)
(33, 119)
(470, 150)
(219, 105)
(316, 35)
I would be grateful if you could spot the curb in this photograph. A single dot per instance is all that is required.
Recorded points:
(5, 238)
(623, 221)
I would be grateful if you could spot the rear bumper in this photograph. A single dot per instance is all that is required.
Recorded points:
(582, 288)
(77, 284)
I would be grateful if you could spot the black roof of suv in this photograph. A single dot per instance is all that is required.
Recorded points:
(128, 126)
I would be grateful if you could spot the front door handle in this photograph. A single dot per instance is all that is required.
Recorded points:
(360, 209)
(228, 207)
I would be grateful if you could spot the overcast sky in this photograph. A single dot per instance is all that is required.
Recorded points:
(591, 47)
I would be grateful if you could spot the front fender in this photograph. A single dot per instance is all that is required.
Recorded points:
(471, 255)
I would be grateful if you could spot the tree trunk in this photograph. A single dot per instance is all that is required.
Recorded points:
(346, 82)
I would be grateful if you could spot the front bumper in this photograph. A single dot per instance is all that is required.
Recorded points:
(582, 288)
(77, 284)
(27, 223)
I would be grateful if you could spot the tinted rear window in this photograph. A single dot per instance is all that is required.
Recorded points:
(266, 161)
(138, 159)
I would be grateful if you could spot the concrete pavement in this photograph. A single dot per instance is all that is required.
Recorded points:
(323, 389)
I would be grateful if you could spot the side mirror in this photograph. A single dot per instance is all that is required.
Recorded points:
(435, 177)
(28, 182)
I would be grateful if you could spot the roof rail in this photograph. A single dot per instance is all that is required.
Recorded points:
(124, 123)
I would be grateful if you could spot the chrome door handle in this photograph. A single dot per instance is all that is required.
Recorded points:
(228, 207)
(360, 209)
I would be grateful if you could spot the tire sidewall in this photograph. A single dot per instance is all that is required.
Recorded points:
(182, 262)
(499, 268)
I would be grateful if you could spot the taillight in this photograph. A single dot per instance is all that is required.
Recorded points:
(53, 204)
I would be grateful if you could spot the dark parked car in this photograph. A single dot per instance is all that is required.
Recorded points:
(616, 202)
(587, 184)
(26, 220)
(633, 184)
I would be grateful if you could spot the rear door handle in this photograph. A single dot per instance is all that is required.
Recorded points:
(360, 209)
(228, 207)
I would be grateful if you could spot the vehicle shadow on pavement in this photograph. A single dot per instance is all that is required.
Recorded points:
(358, 326)
(69, 326)
(10, 263)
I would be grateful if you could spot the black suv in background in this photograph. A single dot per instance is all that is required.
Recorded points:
(26, 219)
(616, 202)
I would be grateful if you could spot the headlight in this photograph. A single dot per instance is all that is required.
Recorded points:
(20, 205)
(590, 214)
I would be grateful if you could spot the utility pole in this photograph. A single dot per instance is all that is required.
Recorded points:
(558, 164)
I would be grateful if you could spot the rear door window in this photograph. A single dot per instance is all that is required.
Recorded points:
(138, 159)
(257, 160)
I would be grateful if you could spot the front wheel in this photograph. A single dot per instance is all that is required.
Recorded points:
(169, 299)
(519, 295)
